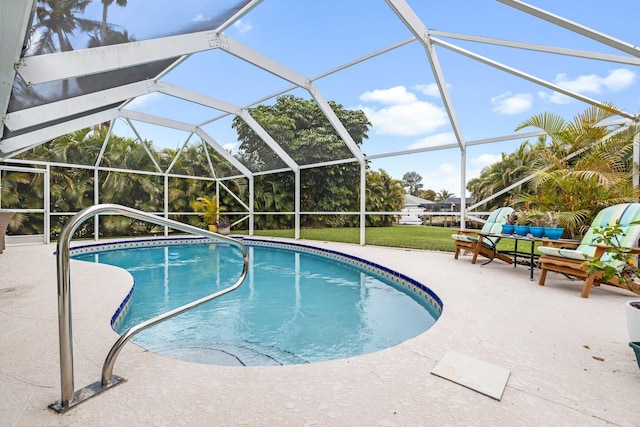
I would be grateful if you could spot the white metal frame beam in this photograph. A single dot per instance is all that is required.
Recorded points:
(527, 76)
(224, 153)
(12, 33)
(421, 32)
(573, 26)
(450, 146)
(261, 61)
(174, 124)
(68, 107)
(540, 48)
(246, 9)
(64, 65)
(15, 145)
(207, 101)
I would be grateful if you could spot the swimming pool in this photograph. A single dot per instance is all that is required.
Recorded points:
(298, 304)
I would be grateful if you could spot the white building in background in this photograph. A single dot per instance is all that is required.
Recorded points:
(413, 210)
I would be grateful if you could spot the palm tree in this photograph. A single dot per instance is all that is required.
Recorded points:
(383, 194)
(512, 168)
(104, 25)
(443, 195)
(209, 209)
(273, 193)
(412, 181)
(59, 19)
(583, 168)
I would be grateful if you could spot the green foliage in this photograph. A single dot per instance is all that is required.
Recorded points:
(384, 194)
(298, 125)
(208, 208)
(582, 169)
(621, 264)
(578, 169)
(511, 169)
(306, 135)
(427, 195)
(443, 195)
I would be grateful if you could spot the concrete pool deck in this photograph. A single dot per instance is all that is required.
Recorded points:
(568, 357)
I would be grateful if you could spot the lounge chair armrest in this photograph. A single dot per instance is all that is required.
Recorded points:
(469, 231)
(567, 244)
(602, 248)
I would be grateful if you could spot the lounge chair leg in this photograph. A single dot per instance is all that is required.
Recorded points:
(543, 277)
(586, 288)
(457, 252)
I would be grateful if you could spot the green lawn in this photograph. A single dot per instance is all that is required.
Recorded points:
(421, 237)
(400, 236)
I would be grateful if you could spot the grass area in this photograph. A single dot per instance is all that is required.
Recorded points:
(432, 238)
(399, 236)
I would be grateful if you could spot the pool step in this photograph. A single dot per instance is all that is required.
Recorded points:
(231, 354)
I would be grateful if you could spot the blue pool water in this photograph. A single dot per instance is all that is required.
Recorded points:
(294, 307)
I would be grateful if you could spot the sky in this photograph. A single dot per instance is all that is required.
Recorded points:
(396, 90)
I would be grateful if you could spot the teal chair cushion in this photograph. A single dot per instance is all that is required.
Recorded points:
(493, 225)
(496, 219)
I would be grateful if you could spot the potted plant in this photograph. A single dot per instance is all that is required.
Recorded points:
(507, 227)
(552, 231)
(224, 225)
(537, 220)
(522, 220)
(209, 210)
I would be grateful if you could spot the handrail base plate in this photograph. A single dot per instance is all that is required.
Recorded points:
(86, 393)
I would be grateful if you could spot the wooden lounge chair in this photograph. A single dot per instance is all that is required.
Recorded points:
(567, 258)
(472, 241)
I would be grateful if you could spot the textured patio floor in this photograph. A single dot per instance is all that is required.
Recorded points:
(569, 357)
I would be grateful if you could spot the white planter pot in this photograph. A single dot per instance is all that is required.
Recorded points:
(633, 320)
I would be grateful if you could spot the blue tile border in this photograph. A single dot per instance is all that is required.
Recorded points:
(434, 303)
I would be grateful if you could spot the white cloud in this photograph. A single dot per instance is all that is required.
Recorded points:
(230, 146)
(394, 96)
(436, 140)
(555, 97)
(615, 81)
(619, 79)
(417, 118)
(199, 18)
(509, 103)
(243, 26)
(430, 89)
(144, 100)
(447, 169)
(445, 177)
(485, 160)
(401, 113)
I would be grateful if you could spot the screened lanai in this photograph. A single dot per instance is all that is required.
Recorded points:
(439, 82)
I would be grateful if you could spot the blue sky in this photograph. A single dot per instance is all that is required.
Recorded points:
(397, 90)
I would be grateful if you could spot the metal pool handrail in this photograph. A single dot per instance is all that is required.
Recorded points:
(69, 398)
